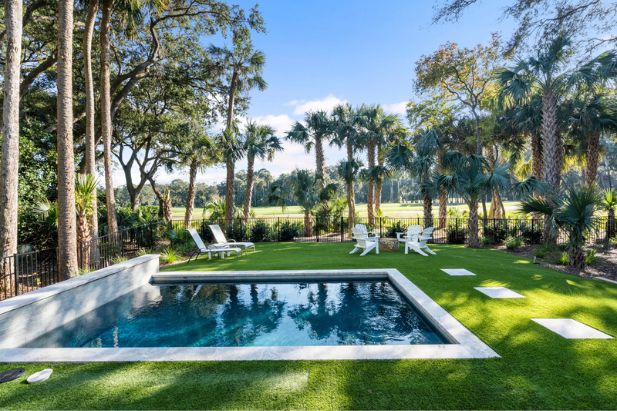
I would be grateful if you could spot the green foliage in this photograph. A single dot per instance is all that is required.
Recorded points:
(169, 256)
(261, 231)
(590, 257)
(289, 230)
(119, 259)
(564, 258)
(513, 243)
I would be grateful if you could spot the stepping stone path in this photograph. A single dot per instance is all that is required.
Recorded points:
(457, 272)
(499, 292)
(571, 329)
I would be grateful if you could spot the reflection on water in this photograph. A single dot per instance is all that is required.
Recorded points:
(265, 314)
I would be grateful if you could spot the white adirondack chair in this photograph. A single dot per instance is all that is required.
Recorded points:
(221, 241)
(412, 230)
(364, 242)
(204, 249)
(417, 241)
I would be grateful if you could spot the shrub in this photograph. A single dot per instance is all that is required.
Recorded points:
(169, 256)
(564, 259)
(495, 232)
(397, 227)
(591, 257)
(486, 241)
(513, 243)
(119, 259)
(456, 235)
(532, 233)
(260, 231)
(544, 250)
(288, 230)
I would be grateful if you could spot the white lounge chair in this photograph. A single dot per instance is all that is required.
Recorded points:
(221, 241)
(417, 241)
(364, 231)
(412, 230)
(203, 249)
(364, 242)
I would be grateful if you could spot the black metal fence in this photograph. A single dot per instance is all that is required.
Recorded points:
(447, 231)
(25, 272)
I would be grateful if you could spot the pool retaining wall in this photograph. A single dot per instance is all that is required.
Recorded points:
(26, 317)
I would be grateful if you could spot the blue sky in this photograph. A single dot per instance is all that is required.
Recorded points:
(320, 53)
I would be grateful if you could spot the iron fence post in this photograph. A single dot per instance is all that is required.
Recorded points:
(342, 230)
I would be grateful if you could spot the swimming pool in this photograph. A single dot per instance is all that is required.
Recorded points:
(133, 312)
(250, 314)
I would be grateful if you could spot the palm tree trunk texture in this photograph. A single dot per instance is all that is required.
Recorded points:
(10, 130)
(90, 163)
(190, 200)
(250, 182)
(497, 208)
(443, 207)
(371, 185)
(593, 152)
(576, 256)
(229, 191)
(551, 140)
(106, 126)
(472, 225)
(308, 223)
(428, 210)
(67, 230)
(229, 181)
(351, 195)
(537, 161)
(379, 183)
(319, 162)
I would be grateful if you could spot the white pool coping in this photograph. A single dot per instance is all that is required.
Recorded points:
(464, 344)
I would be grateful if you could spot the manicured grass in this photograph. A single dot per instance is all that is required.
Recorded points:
(389, 210)
(538, 369)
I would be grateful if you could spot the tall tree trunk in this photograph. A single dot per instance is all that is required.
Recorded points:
(229, 191)
(229, 163)
(351, 195)
(496, 208)
(67, 230)
(443, 206)
(308, 223)
(478, 132)
(593, 152)
(319, 162)
(371, 184)
(10, 131)
(248, 196)
(379, 183)
(428, 210)
(551, 141)
(106, 126)
(472, 225)
(537, 161)
(190, 199)
(93, 7)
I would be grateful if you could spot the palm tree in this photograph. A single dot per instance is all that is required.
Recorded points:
(609, 203)
(10, 131)
(368, 118)
(572, 212)
(243, 71)
(259, 142)
(201, 152)
(592, 114)
(90, 150)
(318, 127)
(471, 178)
(306, 193)
(85, 191)
(67, 233)
(388, 128)
(346, 135)
(233, 149)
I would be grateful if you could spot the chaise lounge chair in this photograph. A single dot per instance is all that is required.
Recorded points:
(221, 241)
(203, 249)
(363, 241)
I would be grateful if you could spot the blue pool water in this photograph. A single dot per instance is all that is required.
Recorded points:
(264, 314)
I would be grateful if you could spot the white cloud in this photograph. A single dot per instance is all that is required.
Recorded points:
(281, 123)
(396, 108)
(327, 103)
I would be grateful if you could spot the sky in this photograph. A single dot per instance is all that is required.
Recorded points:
(320, 53)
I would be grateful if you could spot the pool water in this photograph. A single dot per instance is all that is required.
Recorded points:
(239, 314)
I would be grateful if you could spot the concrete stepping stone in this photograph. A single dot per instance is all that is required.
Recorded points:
(499, 292)
(457, 272)
(571, 329)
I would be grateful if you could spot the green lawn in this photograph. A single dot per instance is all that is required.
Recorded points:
(389, 210)
(538, 369)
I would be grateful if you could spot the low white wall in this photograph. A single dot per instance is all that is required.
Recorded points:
(31, 315)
